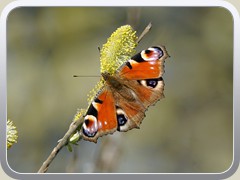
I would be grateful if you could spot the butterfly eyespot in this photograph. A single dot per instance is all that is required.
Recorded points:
(152, 83)
(89, 134)
(90, 127)
(152, 53)
(159, 51)
(121, 118)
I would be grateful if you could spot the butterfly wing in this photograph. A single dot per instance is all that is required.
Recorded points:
(148, 64)
(143, 75)
(100, 118)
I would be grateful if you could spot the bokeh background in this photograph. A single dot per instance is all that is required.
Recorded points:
(189, 131)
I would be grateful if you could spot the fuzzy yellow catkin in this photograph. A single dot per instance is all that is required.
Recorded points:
(12, 134)
(120, 46)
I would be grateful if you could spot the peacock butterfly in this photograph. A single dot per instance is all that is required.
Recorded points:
(121, 103)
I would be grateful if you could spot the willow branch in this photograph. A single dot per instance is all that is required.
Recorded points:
(63, 142)
(145, 31)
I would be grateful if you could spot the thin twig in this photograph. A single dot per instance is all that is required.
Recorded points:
(72, 128)
(145, 31)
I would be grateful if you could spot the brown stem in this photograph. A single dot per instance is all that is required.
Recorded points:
(64, 141)
(145, 31)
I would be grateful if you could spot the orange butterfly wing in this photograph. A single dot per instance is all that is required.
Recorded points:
(147, 64)
(143, 75)
(100, 118)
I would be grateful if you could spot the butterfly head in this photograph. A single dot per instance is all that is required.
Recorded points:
(111, 80)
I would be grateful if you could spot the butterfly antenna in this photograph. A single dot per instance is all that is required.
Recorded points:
(145, 31)
(86, 75)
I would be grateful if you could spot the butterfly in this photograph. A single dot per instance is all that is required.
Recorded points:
(121, 103)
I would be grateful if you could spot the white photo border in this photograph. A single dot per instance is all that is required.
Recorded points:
(122, 3)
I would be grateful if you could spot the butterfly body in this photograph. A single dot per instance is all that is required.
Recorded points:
(126, 95)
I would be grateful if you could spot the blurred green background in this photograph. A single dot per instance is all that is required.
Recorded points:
(189, 131)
